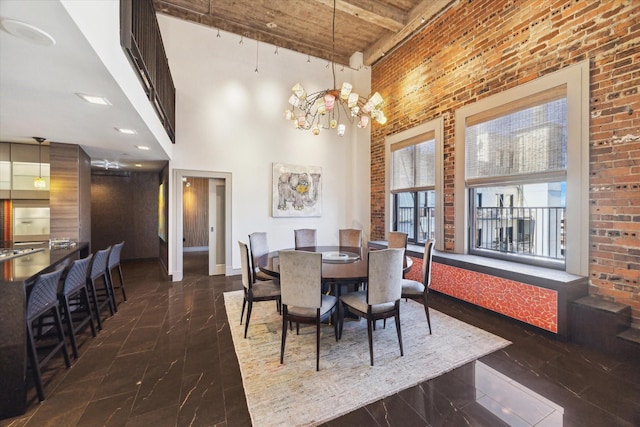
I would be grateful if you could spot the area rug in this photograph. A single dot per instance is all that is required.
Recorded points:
(294, 394)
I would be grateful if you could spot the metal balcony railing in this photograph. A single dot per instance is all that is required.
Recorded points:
(531, 231)
(426, 222)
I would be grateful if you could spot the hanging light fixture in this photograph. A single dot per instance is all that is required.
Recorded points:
(329, 108)
(39, 182)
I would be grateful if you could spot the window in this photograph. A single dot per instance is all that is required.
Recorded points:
(522, 169)
(517, 160)
(414, 182)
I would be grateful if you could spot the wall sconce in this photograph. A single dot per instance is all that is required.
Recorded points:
(39, 182)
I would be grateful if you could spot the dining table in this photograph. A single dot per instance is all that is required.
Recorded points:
(340, 264)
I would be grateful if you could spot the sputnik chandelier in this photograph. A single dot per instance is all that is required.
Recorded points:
(329, 108)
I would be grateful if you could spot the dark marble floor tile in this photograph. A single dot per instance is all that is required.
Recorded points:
(112, 411)
(124, 376)
(393, 410)
(202, 401)
(236, 407)
(160, 386)
(428, 402)
(163, 416)
(359, 417)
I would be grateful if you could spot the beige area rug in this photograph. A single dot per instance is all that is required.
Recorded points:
(294, 394)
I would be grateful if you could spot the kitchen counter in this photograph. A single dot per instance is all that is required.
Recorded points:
(17, 273)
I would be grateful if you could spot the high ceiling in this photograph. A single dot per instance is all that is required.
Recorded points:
(373, 27)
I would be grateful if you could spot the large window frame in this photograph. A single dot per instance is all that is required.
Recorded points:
(433, 129)
(576, 80)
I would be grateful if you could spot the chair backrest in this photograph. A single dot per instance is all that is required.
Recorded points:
(77, 275)
(301, 278)
(258, 246)
(426, 262)
(99, 264)
(44, 293)
(385, 276)
(305, 238)
(114, 255)
(350, 237)
(397, 239)
(247, 276)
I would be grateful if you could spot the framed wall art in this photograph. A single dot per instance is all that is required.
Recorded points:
(297, 191)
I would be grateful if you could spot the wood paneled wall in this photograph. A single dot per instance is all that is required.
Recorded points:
(70, 192)
(195, 202)
(124, 206)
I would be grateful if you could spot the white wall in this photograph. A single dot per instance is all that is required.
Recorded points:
(230, 119)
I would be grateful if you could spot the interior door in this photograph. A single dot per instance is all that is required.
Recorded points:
(216, 227)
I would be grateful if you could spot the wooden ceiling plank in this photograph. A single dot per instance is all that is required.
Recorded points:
(373, 12)
(425, 10)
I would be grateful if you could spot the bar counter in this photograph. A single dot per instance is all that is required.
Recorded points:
(16, 276)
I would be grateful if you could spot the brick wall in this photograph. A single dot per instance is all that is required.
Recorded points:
(479, 48)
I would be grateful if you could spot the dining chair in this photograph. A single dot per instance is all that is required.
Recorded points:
(42, 302)
(259, 247)
(75, 302)
(417, 291)
(305, 238)
(302, 298)
(381, 300)
(265, 290)
(112, 264)
(350, 237)
(397, 239)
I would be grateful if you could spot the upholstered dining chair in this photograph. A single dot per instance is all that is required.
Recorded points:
(75, 294)
(381, 300)
(397, 239)
(259, 246)
(350, 237)
(43, 301)
(302, 299)
(265, 290)
(418, 291)
(305, 238)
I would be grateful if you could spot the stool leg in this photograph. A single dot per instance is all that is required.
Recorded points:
(69, 322)
(35, 364)
(124, 294)
(65, 353)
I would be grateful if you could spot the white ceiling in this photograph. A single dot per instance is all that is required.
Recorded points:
(38, 87)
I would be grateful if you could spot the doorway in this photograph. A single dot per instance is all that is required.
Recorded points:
(209, 194)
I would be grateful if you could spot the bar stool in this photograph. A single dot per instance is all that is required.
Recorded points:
(97, 271)
(43, 301)
(112, 264)
(75, 293)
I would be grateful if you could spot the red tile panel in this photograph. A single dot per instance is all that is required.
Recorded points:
(415, 273)
(531, 304)
(456, 282)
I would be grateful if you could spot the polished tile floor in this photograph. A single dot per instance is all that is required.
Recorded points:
(167, 359)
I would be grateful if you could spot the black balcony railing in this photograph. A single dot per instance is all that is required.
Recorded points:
(405, 222)
(140, 38)
(537, 232)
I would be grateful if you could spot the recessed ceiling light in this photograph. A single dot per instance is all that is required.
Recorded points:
(94, 99)
(142, 147)
(272, 25)
(138, 165)
(126, 131)
(28, 32)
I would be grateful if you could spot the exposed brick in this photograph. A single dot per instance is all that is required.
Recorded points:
(479, 48)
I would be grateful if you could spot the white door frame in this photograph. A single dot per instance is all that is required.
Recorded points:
(213, 186)
(178, 174)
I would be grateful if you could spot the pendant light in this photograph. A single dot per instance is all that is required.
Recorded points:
(39, 182)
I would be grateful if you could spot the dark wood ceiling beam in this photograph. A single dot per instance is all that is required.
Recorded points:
(373, 12)
(425, 11)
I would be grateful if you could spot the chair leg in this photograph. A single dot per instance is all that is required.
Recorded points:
(370, 333)
(284, 334)
(246, 323)
(341, 309)
(397, 319)
(334, 319)
(85, 295)
(317, 342)
(69, 322)
(96, 304)
(426, 311)
(244, 303)
(109, 286)
(124, 293)
(65, 353)
(35, 365)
